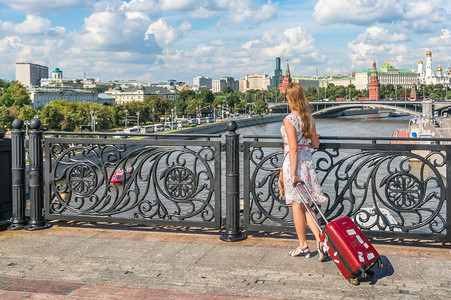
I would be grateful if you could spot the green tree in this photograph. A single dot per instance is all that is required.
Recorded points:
(27, 112)
(227, 90)
(6, 99)
(5, 118)
(207, 96)
(51, 115)
(19, 94)
(260, 106)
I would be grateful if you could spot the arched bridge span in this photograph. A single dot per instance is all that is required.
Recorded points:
(330, 107)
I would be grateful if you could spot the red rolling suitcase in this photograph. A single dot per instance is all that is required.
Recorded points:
(347, 246)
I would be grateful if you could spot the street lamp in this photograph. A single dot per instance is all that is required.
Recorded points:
(137, 117)
(126, 113)
(93, 118)
(172, 118)
(153, 114)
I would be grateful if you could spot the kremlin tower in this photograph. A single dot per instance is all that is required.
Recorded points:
(414, 93)
(286, 80)
(374, 86)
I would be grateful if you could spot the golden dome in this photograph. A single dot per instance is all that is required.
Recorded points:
(439, 69)
(429, 53)
(420, 62)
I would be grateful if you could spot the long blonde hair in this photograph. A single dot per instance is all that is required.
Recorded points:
(298, 103)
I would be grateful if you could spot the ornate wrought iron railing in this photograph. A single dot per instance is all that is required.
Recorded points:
(155, 180)
(389, 189)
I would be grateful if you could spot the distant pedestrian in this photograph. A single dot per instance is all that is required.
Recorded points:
(299, 134)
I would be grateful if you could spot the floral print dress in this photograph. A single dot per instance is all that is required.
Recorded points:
(305, 168)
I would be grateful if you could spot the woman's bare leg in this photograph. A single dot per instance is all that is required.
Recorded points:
(315, 230)
(299, 223)
(311, 223)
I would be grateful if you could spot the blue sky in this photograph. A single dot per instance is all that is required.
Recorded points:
(152, 40)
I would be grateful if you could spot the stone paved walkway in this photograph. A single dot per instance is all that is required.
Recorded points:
(83, 261)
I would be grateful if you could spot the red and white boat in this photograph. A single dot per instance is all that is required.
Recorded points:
(121, 176)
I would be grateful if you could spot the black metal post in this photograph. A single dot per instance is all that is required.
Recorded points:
(37, 220)
(232, 231)
(18, 220)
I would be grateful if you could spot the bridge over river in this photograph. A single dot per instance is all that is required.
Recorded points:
(337, 108)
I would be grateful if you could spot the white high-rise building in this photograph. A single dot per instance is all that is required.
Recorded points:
(202, 82)
(219, 84)
(255, 82)
(30, 74)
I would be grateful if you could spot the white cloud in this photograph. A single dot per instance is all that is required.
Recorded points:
(165, 34)
(245, 12)
(116, 31)
(444, 39)
(376, 40)
(293, 43)
(177, 5)
(33, 6)
(425, 16)
(143, 6)
(31, 25)
(203, 13)
(356, 11)
(376, 35)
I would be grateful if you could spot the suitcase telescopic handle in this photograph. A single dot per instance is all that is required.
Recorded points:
(302, 183)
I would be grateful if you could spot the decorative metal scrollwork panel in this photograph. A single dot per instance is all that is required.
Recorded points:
(390, 191)
(173, 183)
(267, 207)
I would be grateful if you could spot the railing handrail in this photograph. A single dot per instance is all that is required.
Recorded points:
(132, 134)
(353, 138)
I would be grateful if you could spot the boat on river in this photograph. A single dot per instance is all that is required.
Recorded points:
(418, 127)
(121, 176)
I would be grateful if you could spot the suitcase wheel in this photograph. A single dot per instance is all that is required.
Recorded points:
(363, 274)
(380, 265)
(354, 281)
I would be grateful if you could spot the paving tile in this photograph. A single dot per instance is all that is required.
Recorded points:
(115, 292)
(44, 287)
(7, 282)
(13, 295)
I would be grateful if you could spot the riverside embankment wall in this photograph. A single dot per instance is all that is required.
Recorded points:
(222, 126)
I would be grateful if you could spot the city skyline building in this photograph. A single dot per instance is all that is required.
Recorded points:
(41, 96)
(219, 84)
(201, 82)
(30, 74)
(387, 74)
(426, 73)
(57, 79)
(284, 81)
(374, 85)
(255, 82)
(141, 92)
(277, 74)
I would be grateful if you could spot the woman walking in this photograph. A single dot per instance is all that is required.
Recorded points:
(299, 134)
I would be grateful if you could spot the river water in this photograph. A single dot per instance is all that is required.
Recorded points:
(362, 126)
